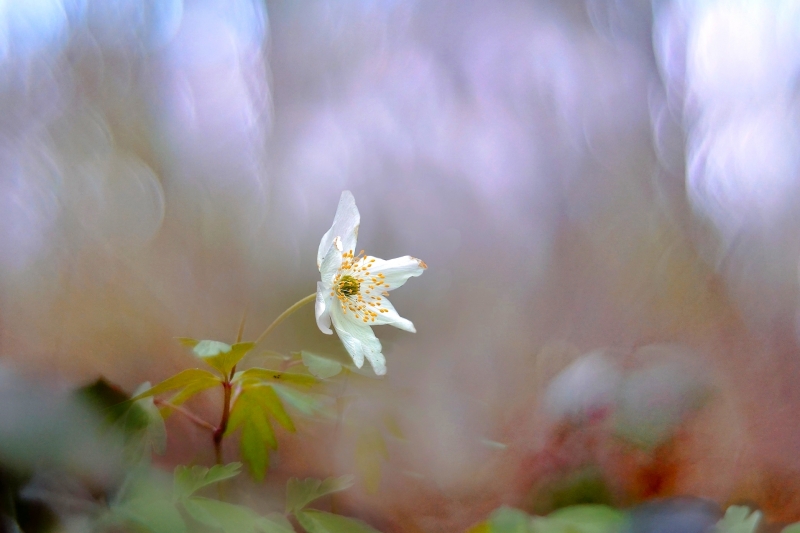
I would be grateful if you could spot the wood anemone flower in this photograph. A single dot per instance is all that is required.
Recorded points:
(353, 290)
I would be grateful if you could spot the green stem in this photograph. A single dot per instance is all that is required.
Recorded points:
(308, 299)
(219, 433)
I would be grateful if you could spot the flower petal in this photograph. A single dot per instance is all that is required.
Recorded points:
(392, 318)
(359, 340)
(331, 263)
(396, 271)
(345, 226)
(321, 309)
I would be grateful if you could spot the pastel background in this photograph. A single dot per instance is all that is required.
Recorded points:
(577, 175)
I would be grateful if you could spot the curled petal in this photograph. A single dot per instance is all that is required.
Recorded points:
(392, 318)
(396, 271)
(359, 340)
(331, 264)
(321, 309)
(345, 226)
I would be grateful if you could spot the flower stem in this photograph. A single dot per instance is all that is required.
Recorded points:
(219, 432)
(297, 305)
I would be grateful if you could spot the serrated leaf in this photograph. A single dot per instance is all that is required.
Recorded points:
(509, 520)
(580, 519)
(188, 342)
(738, 519)
(250, 412)
(320, 366)
(109, 400)
(275, 523)
(187, 393)
(270, 399)
(300, 493)
(153, 436)
(254, 451)
(207, 348)
(255, 375)
(228, 517)
(306, 403)
(156, 516)
(322, 522)
(219, 355)
(188, 480)
(190, 376)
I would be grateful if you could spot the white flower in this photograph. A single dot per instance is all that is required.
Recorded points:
(354, 288)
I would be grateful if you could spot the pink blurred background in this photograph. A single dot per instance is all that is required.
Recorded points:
(578, 175)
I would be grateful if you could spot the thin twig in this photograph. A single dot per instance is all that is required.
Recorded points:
(240, 333)
(188, 414)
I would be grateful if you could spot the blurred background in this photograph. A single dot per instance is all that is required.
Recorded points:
(578, 175)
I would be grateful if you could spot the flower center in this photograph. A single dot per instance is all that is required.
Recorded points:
(353, 275)
(348, 286)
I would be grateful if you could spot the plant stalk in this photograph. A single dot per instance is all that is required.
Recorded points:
(219, 433)
(297, 305)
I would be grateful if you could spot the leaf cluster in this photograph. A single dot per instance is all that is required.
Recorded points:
(300, 493)
(148, 505)
(603, 519)
(259, 395)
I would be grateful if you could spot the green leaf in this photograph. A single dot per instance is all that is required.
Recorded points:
(255, 375)
(739, 519)
(189, 480)
(322, 522)
(219, 355)
(153, 436)
(109, 400)
(320, 366)
(275, 523)
(482, 527)
(792, 528)
(156, 516)
(301, 493)
(253, 448)
(509, 520)
(250, 412)
(263, 398)
(308, 404)
(190, 376)
(272, 402)
(210, 348)
(188, 392)
(580, 519)
(188, 342)
(229, 517)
